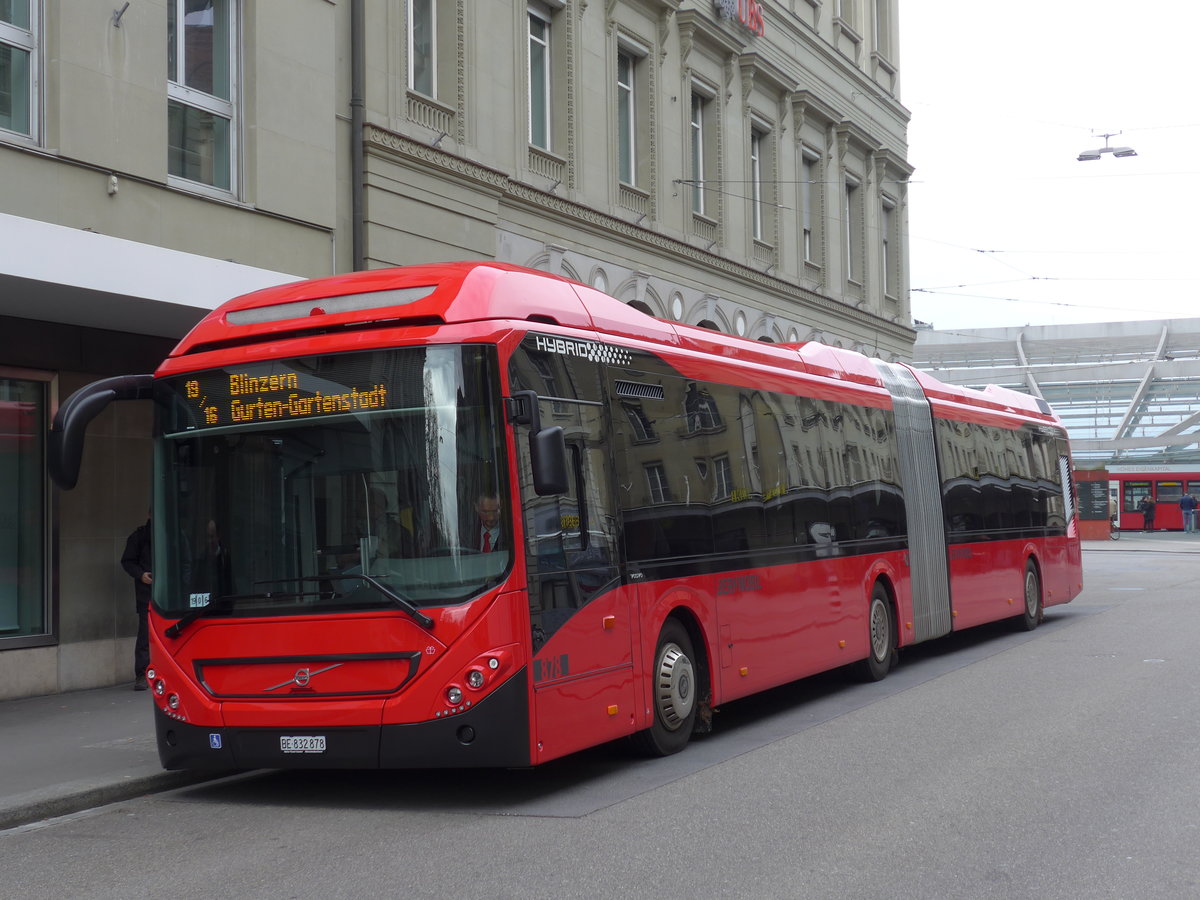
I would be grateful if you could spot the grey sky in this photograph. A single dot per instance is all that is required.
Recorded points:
(1007, 227)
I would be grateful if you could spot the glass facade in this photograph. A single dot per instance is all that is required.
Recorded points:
(23, 406)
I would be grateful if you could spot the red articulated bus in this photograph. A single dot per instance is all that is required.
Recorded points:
(674, 518)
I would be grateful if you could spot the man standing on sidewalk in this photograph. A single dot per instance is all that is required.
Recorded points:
(1187, 503)
(137, 562)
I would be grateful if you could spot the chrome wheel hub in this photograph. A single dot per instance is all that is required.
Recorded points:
(880, 630)
(1031, 594)
(674, 687)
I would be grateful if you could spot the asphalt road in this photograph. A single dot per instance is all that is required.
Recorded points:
(1064, 763)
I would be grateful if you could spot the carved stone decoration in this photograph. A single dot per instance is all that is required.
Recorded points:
(687, 31)
(664, 31)
(461, 48)
(747, 69)
(572, 37)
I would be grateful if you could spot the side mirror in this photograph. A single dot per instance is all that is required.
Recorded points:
(548, 454)
(547, 446)
(64, 449)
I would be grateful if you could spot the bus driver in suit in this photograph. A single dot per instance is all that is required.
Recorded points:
(487, 512)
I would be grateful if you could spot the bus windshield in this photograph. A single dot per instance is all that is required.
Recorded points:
(279, 485)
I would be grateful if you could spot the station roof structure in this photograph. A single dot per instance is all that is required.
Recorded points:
(1128, 392)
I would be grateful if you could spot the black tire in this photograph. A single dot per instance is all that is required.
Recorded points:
(1032, 609)
(881, 632)
(675, 695)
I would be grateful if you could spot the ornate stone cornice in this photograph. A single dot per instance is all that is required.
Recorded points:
(852, 134)
(696, 28)
(807, 106)
(384, 143)
(889, 161)
(762, 71)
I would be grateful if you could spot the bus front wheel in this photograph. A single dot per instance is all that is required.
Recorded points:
(674, 694)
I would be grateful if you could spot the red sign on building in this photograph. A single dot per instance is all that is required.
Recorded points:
(748, 13)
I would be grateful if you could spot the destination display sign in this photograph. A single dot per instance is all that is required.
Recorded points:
(282, 391)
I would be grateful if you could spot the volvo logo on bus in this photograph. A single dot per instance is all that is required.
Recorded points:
(301, 678)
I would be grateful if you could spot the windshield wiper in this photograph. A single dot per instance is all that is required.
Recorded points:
(226, 603)
(400, 601)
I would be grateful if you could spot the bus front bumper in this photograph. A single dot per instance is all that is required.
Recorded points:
(494, 733)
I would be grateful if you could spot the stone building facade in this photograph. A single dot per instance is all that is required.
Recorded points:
(738, 164)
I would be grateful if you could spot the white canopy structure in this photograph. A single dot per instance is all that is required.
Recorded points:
(1128, 392)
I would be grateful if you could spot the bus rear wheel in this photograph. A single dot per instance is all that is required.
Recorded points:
(674, 694)
(1031, 614)
(882, 633)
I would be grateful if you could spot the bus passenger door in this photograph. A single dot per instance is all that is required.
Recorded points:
(580, 615)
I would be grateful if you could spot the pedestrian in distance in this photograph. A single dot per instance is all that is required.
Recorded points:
(1187, 504)
(137, 562)
(1146, 508)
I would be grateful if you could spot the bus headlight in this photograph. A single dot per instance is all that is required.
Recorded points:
(475, 679)
(454, 695)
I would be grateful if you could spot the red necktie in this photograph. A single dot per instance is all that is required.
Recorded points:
(487, 542)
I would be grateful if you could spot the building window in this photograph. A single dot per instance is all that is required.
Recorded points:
(23, 410)
(700, 410)
(656, 478)
(853, 228)
(809, 190)
(545, 368)
(847, 11)
(626, 118)
(18, 67)
(201, 120)
(722, 478)
(539, 77)
(887, 219)
(698, 131)
(422, 47)
(883, 28)
(756, 184)
(643, 428)
(761, 189)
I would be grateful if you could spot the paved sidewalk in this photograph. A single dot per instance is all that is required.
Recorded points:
(1154, 542)
(68, 752)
